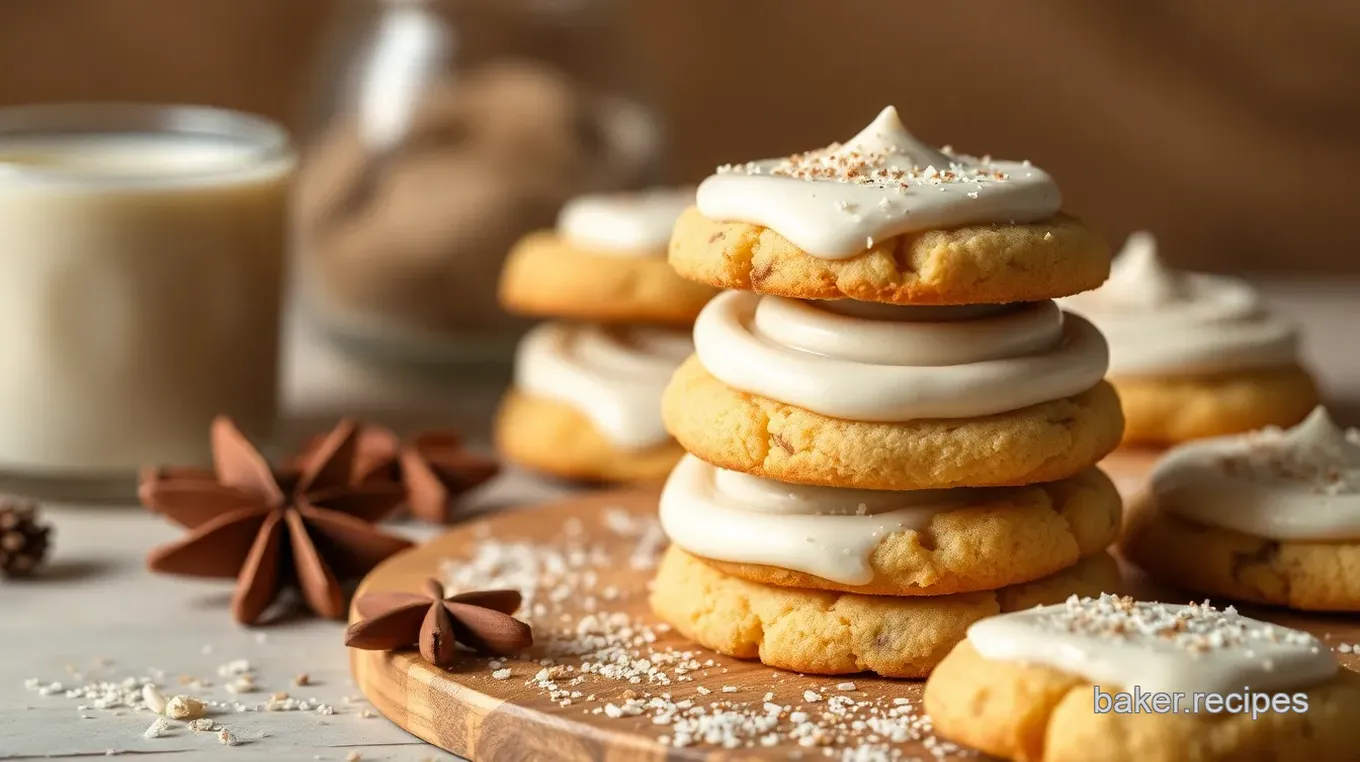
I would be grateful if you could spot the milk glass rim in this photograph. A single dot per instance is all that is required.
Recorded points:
(270, 144)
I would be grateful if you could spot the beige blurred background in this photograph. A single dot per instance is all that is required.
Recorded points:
(1231, 129)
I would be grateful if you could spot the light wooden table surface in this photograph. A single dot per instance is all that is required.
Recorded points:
(98, 606)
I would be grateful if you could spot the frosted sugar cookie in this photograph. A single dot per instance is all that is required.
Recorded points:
(1062, 684)
(851, 394)
(605, 262)
(826, 633)
(1193, 355)
(1271, 517)
(585, 403)
(918, 543)
(886, 218)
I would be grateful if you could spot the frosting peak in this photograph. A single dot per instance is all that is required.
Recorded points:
(1138, 278)
(1160, 321)
(1298, 484)
(1316, 453)
(835, 202)
(1327, 447)
(882, 155)
(887, 134)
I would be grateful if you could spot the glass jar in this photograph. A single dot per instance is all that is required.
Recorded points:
(444, 130)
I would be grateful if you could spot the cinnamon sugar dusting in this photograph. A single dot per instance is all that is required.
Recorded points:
(1196, 628)
(1158, 647)
(883, 168)
(1327, 461)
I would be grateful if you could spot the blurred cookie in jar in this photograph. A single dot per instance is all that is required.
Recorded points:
(410, 239)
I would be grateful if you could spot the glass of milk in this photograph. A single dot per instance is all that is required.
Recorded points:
(142, 251)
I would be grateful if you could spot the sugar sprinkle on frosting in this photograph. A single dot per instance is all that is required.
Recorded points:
(1195, 628)
(1301, 483)
(881, 183)
(1114, 640)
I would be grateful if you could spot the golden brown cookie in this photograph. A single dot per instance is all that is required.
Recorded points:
(976, 264)
(550, 436)
(756, 435)
(827, 633)
(1162, 410)
(1039, 714)
(547, 276)
(1313, 576)
(1021, 535)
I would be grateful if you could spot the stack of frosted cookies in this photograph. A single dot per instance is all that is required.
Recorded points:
(585, 403)
(891, 427)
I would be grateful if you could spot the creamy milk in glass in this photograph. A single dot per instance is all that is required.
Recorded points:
(141, 258)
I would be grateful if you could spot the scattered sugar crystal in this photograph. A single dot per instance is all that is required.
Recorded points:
(234, 668)
(243, 684)
(609, 653)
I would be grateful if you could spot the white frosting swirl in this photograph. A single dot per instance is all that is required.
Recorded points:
(836, 201)
(883, 363)
(625, 224)
(829, 532)
(614, 376)
(1119, 643)
(1162, 322)
(1301, 484)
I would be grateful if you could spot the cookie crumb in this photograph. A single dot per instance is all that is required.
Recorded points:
(184, 708)
(159, 728)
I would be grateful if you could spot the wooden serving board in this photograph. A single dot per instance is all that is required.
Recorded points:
(468, 711)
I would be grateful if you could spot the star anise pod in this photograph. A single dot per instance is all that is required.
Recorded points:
(433, 623)
(433, 466)
(309, 528)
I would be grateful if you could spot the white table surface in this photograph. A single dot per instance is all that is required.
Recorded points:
(98, 605)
